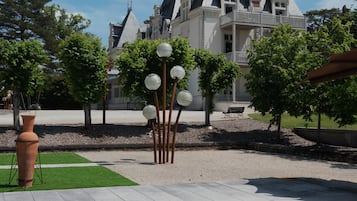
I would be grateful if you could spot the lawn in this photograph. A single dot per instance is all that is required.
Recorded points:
(288, 121)
(48, 158)
(64, 177)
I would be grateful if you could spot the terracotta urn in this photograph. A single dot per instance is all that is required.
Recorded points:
(26, 151)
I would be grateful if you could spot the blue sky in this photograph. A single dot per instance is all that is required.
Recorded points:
(101, 12)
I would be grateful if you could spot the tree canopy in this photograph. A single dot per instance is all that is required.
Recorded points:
(279, 65)
(84, 60)
(216, 74)
(33, 19)
(334, 98)
(139, 59)
(275, 70)
(21, 61)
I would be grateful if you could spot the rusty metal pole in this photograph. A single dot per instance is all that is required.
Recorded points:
(158, 125)
(154, 139)
(164, 107)
(174, 136)
(169, 121)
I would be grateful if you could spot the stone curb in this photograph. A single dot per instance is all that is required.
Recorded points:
(309, 152)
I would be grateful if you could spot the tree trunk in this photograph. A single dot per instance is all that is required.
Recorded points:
(318, 127)
(16, 110)
(87, 116)
(104, 109)
(207, 110)
(279, 124)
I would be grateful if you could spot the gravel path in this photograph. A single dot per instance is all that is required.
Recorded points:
(63, 130)
(216, 165)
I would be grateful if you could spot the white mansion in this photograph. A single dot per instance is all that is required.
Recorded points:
(222, 26)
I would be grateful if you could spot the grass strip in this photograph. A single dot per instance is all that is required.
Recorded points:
(48, 158)
(67, 178)
(288, 121)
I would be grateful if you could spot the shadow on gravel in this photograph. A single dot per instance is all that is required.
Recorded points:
(97, 131)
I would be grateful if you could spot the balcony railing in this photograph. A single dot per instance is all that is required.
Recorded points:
(262, 19)
(241, 57)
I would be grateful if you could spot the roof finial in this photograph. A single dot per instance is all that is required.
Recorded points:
(130, 5)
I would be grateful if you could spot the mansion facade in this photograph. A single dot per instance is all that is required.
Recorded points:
(222, 26)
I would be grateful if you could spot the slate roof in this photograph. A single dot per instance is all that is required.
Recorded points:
(126, 31)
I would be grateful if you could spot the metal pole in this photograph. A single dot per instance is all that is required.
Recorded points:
(158, 125)
(174, 136)
(169, 122)
(164, 107)
(154, 138)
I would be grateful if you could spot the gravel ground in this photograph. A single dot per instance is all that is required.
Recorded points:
(225, 131)
(243, 133)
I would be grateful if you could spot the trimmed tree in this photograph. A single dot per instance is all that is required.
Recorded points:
(335, 98)
(139, 59)
(275, 71)
(84, 60)
(22, 72)
(216, 74)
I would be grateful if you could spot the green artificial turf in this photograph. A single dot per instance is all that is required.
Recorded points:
(61, 177)
(48, 158)
(67, 178)
(288, 121)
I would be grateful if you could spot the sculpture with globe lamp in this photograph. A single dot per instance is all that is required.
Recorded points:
(153, 83)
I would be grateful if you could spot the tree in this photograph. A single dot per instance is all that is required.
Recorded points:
(54, 25)
(17, 18)
(139, 59)
(274, 71)
(84, 60)
(216, 74)
(31, 19)
(22, 60)
(335, 98)
(319, 18)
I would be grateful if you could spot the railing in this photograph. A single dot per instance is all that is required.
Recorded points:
(241, 57)
(263, 19)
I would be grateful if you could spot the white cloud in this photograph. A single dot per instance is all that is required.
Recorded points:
(336, 4)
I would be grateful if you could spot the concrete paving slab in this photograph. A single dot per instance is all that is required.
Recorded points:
(214, 191)
(103, 194)
(18, 196)
(129, 194)
(46, 196)
(73, 194)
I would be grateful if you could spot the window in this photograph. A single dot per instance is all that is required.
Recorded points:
(116, 92)
(185, 10)
(229, 9)
(228, 42)
(280, 8)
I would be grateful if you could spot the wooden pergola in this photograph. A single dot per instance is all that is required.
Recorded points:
(339, 66)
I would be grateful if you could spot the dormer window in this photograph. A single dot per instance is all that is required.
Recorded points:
(185, 10)
(280, 7)
(229, 6)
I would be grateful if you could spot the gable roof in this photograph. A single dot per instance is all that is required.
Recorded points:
(127, 30)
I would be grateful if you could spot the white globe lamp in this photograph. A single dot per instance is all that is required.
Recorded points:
(152, 82)
(177, 72)
(164, 50)
(184, 98)
(149, 112)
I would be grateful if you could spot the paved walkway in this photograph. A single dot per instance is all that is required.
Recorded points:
(212, 175)
(238, 190)
(58, 117)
